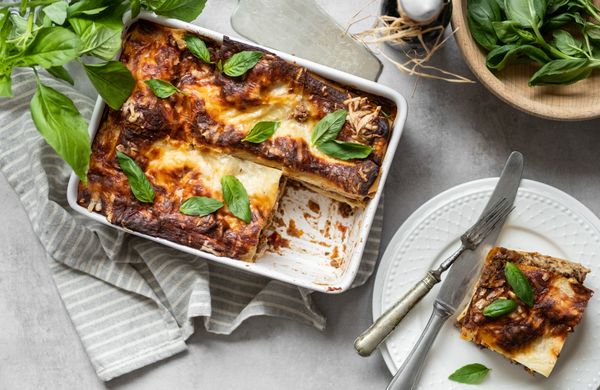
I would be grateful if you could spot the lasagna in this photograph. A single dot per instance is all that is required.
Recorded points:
(532, 335)
(185, 143)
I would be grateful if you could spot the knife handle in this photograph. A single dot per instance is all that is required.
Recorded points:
(370, 339)
(408, 374)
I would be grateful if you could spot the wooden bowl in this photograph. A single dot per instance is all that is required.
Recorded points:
(573, 102)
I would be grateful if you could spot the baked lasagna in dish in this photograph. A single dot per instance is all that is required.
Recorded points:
(186, 142)
(531, 333)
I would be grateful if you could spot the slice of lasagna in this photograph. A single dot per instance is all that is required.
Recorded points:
(178, 171)
(530, 335)
(217, 111)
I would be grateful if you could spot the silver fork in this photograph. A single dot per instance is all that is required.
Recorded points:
(370, 339)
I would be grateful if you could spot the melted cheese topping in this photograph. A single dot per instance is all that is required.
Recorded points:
(261, 183)
(278, 105)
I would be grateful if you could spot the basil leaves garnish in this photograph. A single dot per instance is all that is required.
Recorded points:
(470, 374)
(519, 283)
(345, 150)
(239, 63)
(236, 198)
(112, 80)
(262, 131)
(200, 206)
(499, 308)
(62, 126)
(198, 48)
(162, 89)
(329, 127)
(138, 182)
(324, 138)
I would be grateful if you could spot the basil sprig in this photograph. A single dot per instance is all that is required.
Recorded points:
(262, 131)
(48, 34)
(138, 182)
(62, 126)
(236, 198)
(200, 206)
(345, 150)
(112, 80)
(514, 29)
(470, 374)
(198, 48)
(239, 63)
(324, 138)
(162, 89)
(519, 283)
(499, 308)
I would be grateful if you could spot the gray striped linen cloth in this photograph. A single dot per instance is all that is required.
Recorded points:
(132, 301)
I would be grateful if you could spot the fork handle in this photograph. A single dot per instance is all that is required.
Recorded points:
(370, 339)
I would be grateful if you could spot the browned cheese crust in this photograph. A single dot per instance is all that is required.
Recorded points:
(528, 334)
(217, 111)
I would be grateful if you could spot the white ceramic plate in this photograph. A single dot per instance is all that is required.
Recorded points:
(545, 220)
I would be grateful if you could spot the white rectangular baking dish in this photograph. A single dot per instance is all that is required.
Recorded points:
(327, 256)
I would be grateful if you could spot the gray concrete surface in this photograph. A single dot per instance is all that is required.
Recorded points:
(454, 133)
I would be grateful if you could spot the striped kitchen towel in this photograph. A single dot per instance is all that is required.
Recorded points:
(131, 301)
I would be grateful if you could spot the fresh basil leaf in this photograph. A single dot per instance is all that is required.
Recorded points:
(528, 13)
(236, 198)
(52, 46)
(162, 89)
(499, 308)
(480, 15)
(61, 73)
(200, 206)
(509, 31)
(554, 6)
(506, 31)
(328, 128)
(565, 42)
(239, 63)
(5, 85)
(112, 80)
(62, 126)
(560, 20)
(57, 12)
(470, 374)
(592, 31)
(198, 48)
(89, 7)
(136, 7)
(186, 10)
(566, 71)
(501, 56)
(261, 132)
(138, 182)
(97, 39)
(343, 150)
(519, 283)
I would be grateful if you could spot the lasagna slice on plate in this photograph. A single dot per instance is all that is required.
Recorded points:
(533, 333)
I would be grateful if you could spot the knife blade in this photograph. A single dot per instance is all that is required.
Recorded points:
(459, 281)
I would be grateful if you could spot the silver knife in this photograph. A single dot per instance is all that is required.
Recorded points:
(459, 281)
